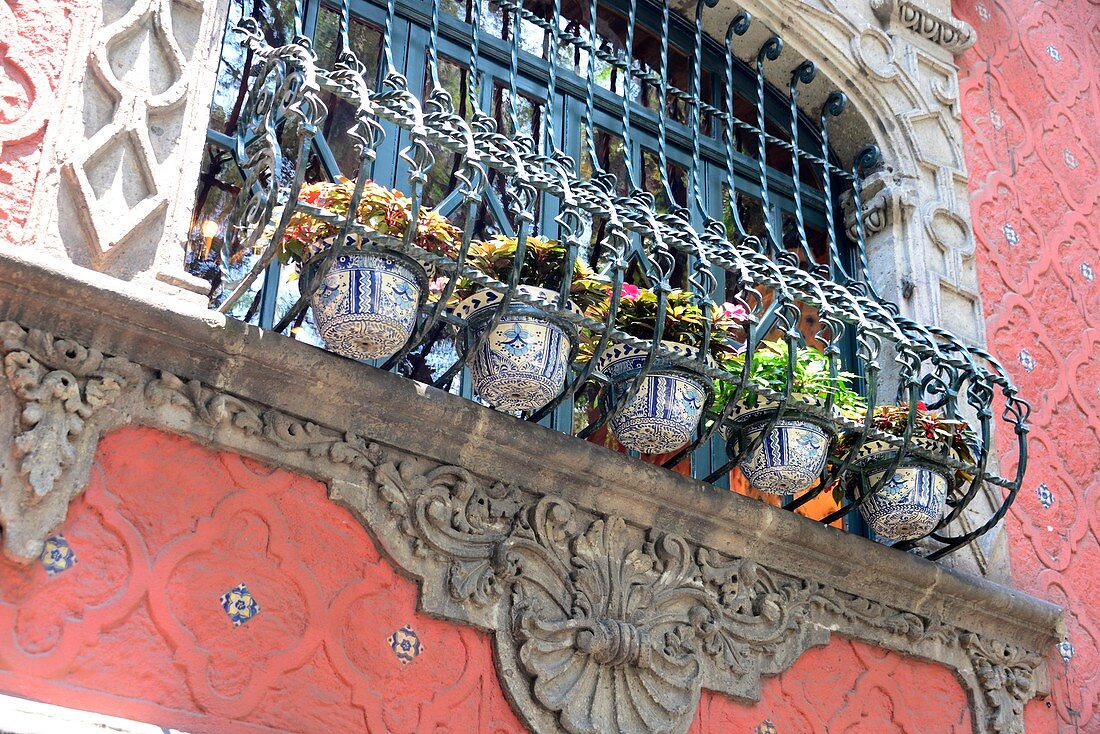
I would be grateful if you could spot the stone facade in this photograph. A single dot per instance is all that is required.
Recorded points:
(733, 589)
(654, 595)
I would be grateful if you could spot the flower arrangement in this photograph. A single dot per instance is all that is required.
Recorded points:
(684, 317)
(543, 265)
(383, 210)
(768, 369)
(928, 425)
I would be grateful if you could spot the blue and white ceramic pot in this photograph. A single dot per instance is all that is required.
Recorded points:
(523, 362)
(910, 504)
(366, 306)
(790, 457)
(664, 413)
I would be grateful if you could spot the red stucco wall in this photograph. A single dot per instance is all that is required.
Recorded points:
(35, 36)
(135, 627)
(1030, 93)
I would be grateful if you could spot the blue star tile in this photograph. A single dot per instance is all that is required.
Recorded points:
(406, 644)
(57, 556)
(239, 604)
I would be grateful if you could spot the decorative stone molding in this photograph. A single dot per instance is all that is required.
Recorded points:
(611, 608)
(944, 29)
(117, 178)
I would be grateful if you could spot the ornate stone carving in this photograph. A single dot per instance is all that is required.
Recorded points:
(1006, 674)
(600, 624)
(60, 385)
(953, 34)
(121, 164)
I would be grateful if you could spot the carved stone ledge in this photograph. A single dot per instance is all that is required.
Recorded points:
(943, 29)
(611, 608)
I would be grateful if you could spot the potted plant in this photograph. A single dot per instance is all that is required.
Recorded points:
(909, 503)
(523, 362)
(366, 305)
(663, 414)
(792, 455)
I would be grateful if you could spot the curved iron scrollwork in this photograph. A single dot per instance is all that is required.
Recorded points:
(926, 364)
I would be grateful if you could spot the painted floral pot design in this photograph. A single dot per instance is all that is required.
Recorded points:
(790, 457)
(910, 504)
(366, 306)
(523, 362)
(664, 413)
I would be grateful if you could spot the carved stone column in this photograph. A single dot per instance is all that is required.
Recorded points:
(121, 160)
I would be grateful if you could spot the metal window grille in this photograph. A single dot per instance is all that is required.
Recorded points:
(621, 129)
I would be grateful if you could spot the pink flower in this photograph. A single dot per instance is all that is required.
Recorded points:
(734, 312)
(631, 292)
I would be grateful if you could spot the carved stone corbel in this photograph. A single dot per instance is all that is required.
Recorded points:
(1006, 675)
(943, 29)
(61, 389)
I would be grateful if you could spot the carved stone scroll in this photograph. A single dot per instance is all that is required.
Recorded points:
(601, 624)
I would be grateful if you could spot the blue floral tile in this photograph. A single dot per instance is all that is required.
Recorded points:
(1046, 497)
(1066, 650)
(1086, 272)
(1053, 52)
(1011, 235)
(406, 644)
(239, 604)
(57, 556)
(983, 12)
(1027, 360)
(766, 727)
(1070, 158)
(996, 119)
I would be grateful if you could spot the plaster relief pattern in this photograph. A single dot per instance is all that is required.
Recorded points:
(33, 37)
(589, 612)
(1031, 98)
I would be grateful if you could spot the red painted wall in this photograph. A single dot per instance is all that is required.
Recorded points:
(1030, 93)
(35, 36)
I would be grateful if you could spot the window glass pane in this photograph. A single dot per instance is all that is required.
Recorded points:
(366, 42)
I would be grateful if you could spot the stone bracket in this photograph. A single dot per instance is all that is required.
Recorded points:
(942, 29)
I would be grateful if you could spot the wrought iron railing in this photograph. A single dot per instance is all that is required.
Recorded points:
(860, 331)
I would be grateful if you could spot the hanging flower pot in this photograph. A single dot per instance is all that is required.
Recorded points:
(523, 362)
(366, 306)
(910, 504)
(367, 302)
(790, 457)
(664, 413)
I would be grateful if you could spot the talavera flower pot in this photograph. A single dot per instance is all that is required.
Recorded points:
(523, 362)
(910, 504)
(790, 457)
(663, 415)
(366, 306)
